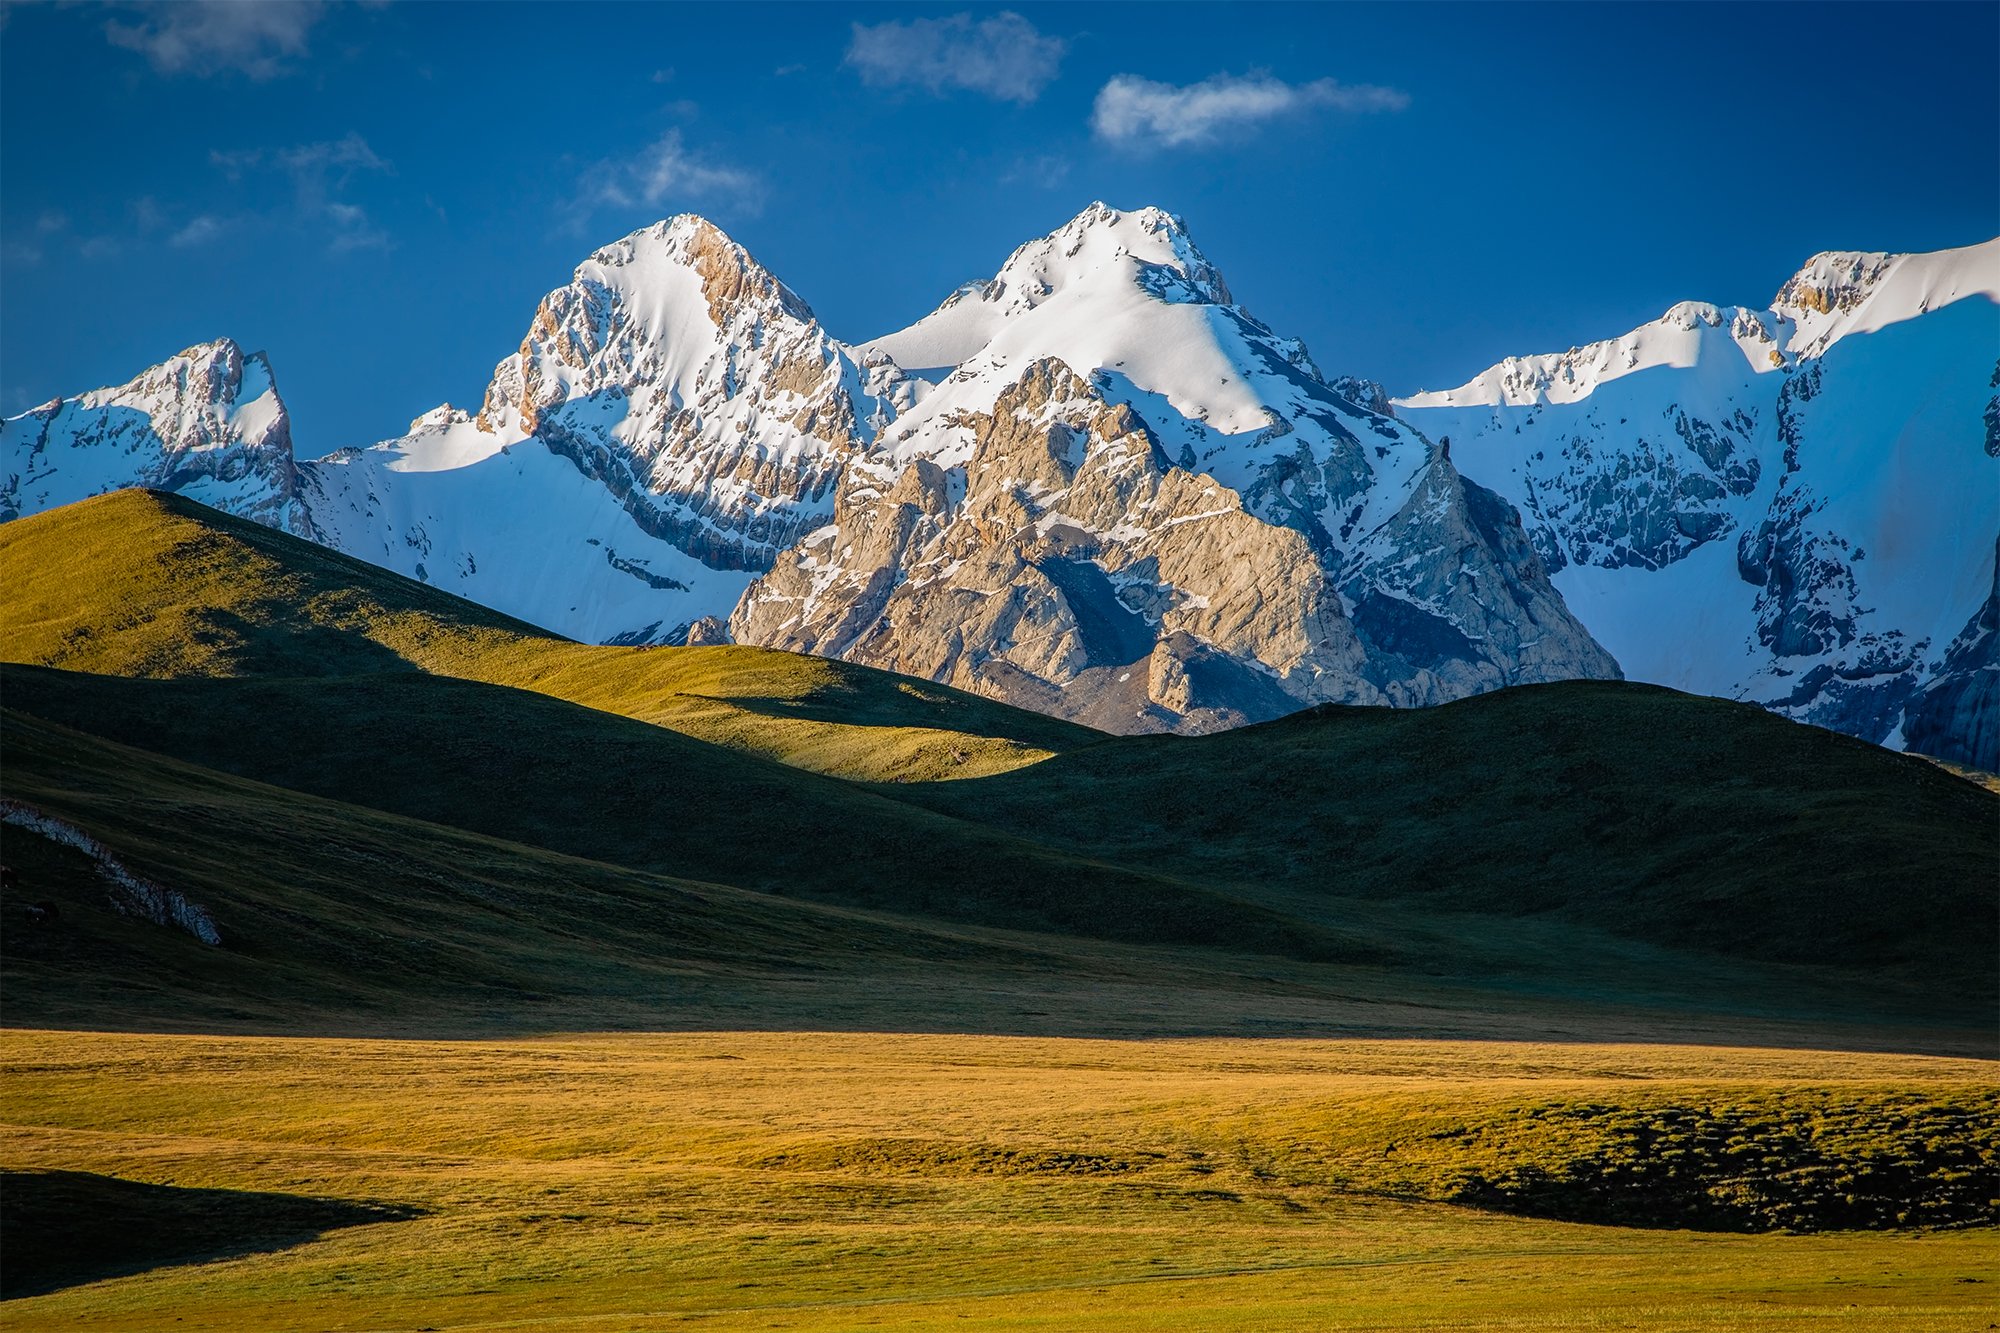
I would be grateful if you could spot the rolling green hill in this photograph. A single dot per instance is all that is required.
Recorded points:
(362, 777)
(144, 583)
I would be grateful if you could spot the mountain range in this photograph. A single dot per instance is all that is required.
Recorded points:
(1096, 486)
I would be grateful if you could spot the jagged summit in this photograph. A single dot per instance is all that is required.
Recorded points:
(1103, 259)
(1163, 257)
(208, 422)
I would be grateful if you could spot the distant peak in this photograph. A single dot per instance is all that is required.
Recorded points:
(1093, 244)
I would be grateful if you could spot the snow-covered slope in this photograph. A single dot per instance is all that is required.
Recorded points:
(1414, 588)
(208, 423)
(506, 521)
(1795, 506)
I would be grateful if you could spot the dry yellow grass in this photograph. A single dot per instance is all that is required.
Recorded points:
(818, 1181)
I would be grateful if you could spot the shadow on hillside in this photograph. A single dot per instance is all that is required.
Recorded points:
(64, 1228)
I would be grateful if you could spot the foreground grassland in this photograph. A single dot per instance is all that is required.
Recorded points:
(816, 1181)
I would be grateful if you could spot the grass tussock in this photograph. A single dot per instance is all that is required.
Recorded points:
(1750, 1159)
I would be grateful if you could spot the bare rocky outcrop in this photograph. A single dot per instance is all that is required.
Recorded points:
(1070, 566)
(130, 894)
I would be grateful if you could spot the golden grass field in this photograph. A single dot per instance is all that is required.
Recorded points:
(819, 1181)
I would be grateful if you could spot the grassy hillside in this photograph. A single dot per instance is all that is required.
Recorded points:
(143, 583)
(1649, 812)
(1599, 840)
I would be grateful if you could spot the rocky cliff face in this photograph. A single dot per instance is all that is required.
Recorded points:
(1957, 716)
(1067, 566)
(208, 422)
(1794, 506)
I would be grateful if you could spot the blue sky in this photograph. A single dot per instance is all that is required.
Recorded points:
(379, 194)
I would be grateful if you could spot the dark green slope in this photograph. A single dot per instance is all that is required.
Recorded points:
(340, 917)
(1660, 815)
(533, 770)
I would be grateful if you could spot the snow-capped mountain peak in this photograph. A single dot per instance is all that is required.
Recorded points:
(645, 268)
(1101, 259)
(1686, 335)
(1146, 245)
(1837, 293)
(1096, 484)
(207, 422)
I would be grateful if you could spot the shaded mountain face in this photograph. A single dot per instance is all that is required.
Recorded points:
(1093, 484)
(1795, 506)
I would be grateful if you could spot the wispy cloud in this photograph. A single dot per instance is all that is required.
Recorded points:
(306, 161)
(257, 38)
(667, 173)
(198, 231)
(321, 174)
(1003, 57)
(1137, 112)
(1042, 171)
(52, 232)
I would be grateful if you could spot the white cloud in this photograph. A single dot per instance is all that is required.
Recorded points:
(667, 172)
(252, 37)
(1141, 112)
(1003, 57)
(199, 231)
